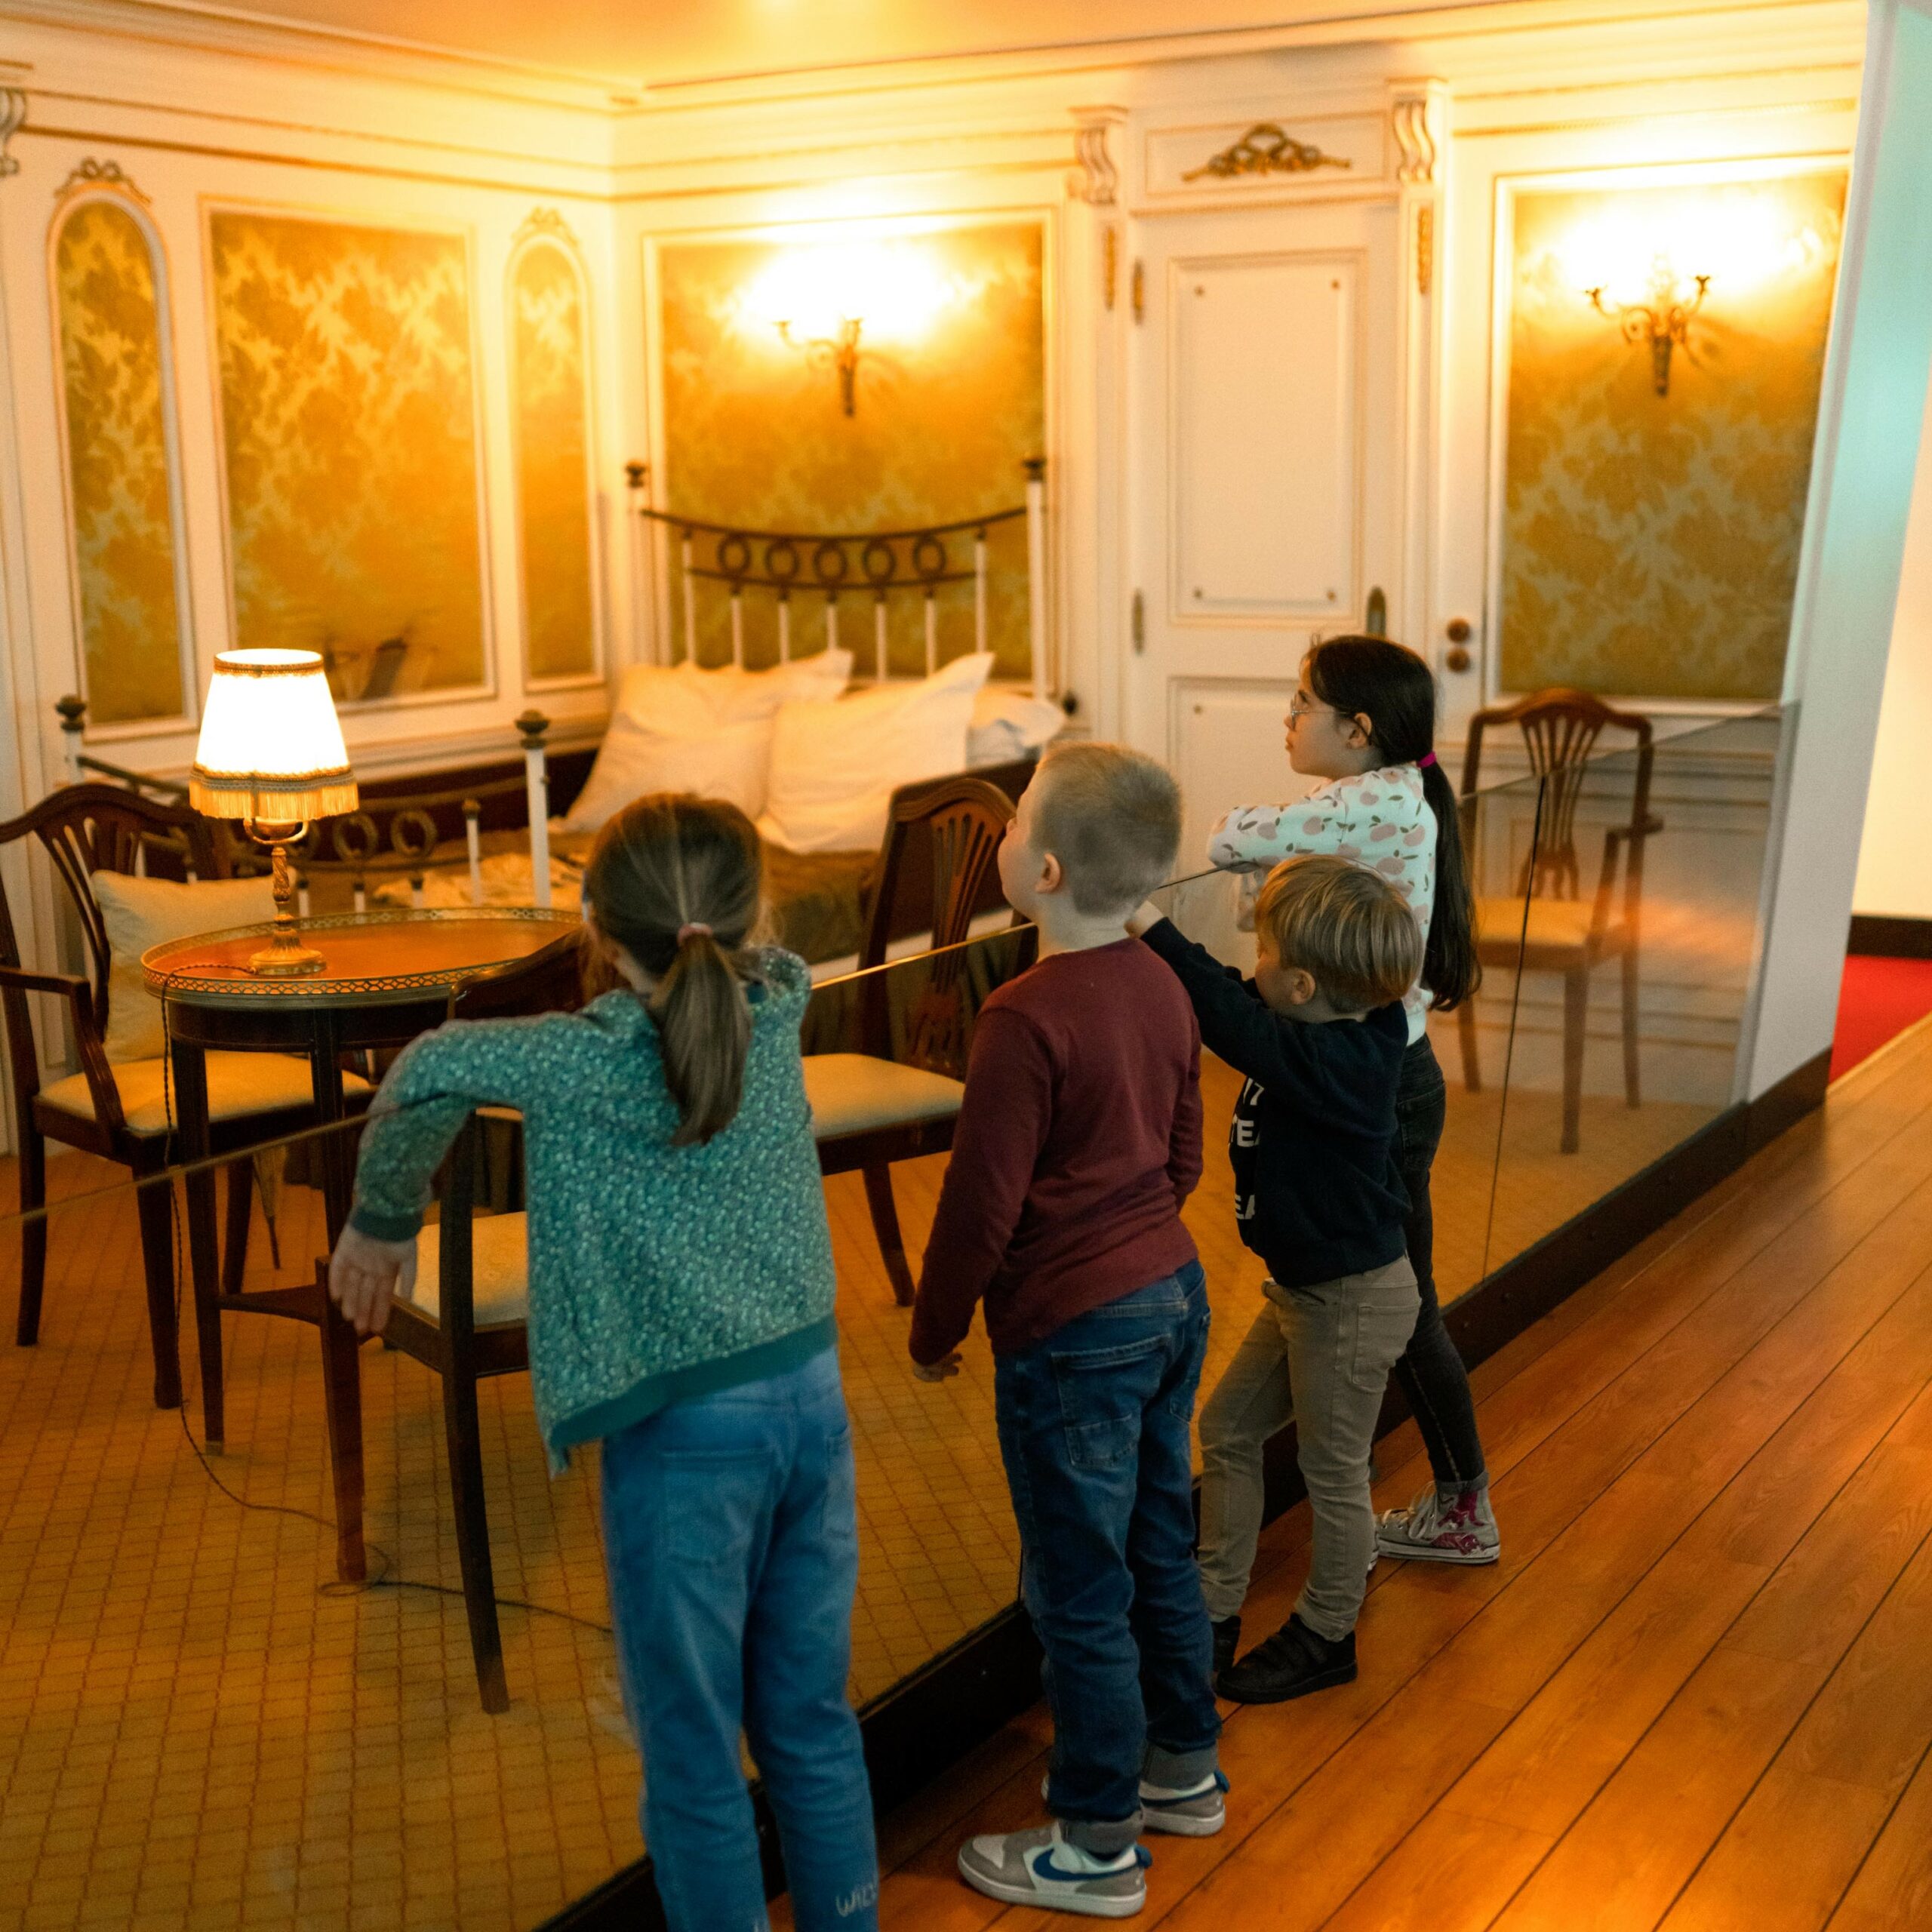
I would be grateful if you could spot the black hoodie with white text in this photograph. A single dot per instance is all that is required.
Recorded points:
(1317, 1192)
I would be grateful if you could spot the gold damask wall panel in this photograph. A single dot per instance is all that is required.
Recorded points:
(553, 475)
(118, 465)
(1649, 542)
(349, 427)
(950, 402)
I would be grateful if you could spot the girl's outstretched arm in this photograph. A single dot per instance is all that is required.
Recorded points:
(441, 1079)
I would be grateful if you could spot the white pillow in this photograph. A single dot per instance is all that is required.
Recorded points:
(141, 912)
(716, 760)
(683, 697)
(835, 767)
(1007, 725)
(707, 732)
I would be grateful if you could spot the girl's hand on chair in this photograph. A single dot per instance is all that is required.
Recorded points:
(366, 1275)
(938, 1371)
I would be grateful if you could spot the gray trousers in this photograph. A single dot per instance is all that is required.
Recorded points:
(1319, 1356)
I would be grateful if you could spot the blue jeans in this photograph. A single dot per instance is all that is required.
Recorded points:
(1094, 1431)
(730, 1531)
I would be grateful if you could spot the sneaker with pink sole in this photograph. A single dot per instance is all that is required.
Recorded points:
(1433, 1529)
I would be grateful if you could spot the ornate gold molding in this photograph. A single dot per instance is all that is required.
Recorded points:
(1425, 248)
(1109, 261)
(544, 221)
(1097, 182)
(92, 173)
(13, 116)
(1266, 149)
(1415, 140)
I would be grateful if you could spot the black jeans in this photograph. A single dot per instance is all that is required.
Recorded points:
(1431, 1373)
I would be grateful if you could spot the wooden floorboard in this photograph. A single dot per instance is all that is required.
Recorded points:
(1695, 1692)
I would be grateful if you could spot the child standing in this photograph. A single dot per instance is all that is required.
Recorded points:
(681, 1312)
(1320, 1033)
(1363, 717)
(1078, 1140)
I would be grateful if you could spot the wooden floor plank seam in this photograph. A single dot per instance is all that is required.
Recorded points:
(1826, 1267)
(1523, 1577)
(1858, 1872)
(1810, 1703)
(1865, 1463)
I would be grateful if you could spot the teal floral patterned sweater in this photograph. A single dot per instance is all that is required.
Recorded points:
(657, 1273)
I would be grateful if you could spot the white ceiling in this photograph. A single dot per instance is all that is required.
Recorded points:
(672, 43)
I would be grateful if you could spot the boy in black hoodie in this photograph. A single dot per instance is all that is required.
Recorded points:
(1319, 1031)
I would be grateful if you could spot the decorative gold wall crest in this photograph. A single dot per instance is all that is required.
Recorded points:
(544, 221)
(92, 173)
(1266, 149)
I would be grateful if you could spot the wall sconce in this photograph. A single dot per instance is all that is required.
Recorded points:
(841, 352)
(1664, 322)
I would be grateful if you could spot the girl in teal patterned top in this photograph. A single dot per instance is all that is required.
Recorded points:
(681, 1299)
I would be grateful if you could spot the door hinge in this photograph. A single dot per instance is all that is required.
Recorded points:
(1139, 624)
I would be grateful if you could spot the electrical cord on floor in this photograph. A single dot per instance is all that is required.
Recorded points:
(334, 1586)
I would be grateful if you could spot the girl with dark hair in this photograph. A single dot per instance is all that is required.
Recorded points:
(1363, 718)
(681, 1313)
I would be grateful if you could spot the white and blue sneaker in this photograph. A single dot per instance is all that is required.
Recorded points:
(1039, 1868)
(1196, 1813)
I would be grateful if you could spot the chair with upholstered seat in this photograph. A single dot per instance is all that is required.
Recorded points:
(873, 1107)
(1548, 926)
(467, 1318)
(119, 1105)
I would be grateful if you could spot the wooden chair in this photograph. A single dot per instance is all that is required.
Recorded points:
(871, 1108)
(468, 1319)
(1547, 925)
(120, 1110)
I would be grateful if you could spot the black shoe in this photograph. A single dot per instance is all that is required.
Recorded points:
(1291, 1663)
(1227, 1641)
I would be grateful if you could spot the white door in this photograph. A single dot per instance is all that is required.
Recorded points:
(1263, 483)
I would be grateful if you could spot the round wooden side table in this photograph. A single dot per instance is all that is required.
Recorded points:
(386, 977)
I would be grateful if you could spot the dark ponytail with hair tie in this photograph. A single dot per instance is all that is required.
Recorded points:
(675, 880)
(1391, 688)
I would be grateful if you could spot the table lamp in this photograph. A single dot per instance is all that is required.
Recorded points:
(271, 755)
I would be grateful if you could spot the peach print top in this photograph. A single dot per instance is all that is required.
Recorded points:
(1380, 820)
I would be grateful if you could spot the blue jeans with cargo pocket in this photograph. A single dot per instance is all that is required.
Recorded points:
(1094, 1430)
(730, 1532)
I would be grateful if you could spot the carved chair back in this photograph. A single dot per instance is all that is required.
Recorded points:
(963, 819)
(1560, 728)
(86, 829)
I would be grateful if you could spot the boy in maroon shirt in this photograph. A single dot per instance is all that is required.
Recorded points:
(1078, 1140)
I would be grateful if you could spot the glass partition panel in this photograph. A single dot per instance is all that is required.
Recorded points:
(186, 1593)
(1637, 927)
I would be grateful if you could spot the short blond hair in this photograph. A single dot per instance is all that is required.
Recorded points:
(1350, 930)
(1112, 817)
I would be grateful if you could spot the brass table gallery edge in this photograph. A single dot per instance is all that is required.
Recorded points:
(387, 977)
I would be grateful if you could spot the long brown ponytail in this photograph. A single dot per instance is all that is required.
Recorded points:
(675, 881)
(1393, 687)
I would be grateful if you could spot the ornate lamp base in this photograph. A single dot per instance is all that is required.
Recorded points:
(285, 957)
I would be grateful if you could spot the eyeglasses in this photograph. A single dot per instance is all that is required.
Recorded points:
(1299, 707)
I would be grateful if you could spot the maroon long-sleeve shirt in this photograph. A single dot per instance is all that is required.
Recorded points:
(1078, 1140)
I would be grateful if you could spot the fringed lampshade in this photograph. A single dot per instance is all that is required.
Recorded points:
(271, 754)
(271, 748)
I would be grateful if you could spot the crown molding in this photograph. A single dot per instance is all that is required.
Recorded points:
(207, 27)
(204, 27)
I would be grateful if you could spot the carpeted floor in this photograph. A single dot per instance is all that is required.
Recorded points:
(1878, 1000)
